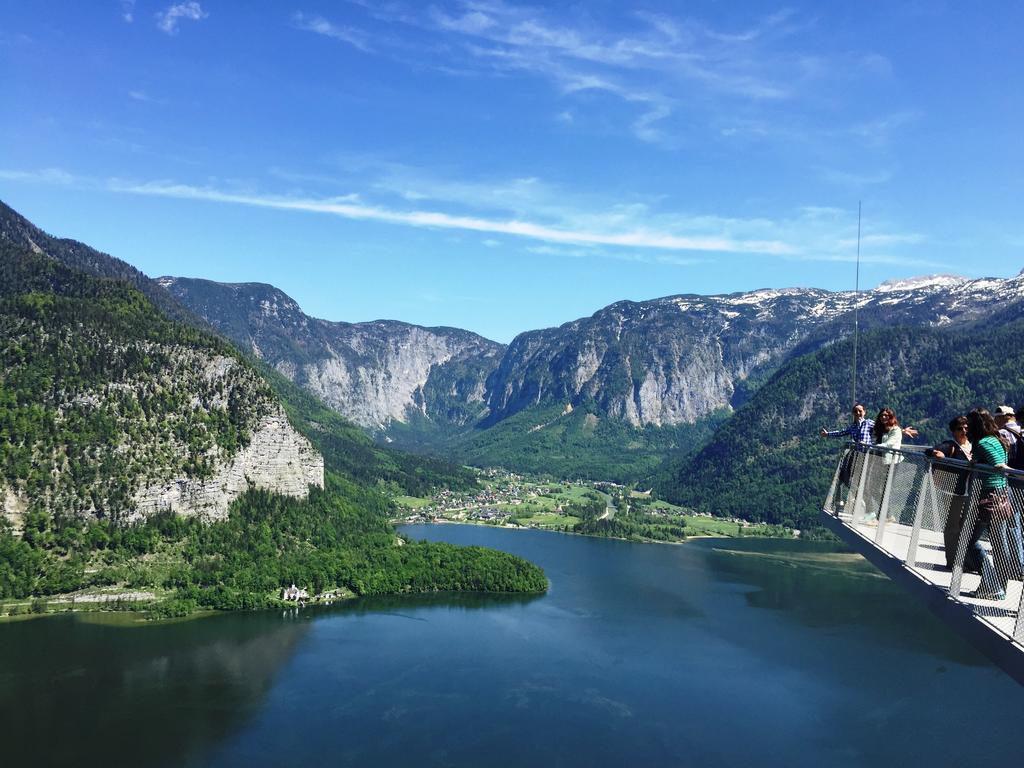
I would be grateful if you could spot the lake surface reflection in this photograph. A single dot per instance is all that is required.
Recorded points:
(718, 652)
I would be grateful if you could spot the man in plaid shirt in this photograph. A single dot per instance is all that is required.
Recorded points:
(861, 431)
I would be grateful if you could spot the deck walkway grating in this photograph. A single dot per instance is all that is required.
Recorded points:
(930, 567)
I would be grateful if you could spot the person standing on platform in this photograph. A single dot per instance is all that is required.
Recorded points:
(861, 431)
(957, 447)
(1011, 435)
(994, 513)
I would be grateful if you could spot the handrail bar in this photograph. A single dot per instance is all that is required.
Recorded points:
(916, 450)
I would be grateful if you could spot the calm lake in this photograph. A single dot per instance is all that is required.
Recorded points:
(720, 652)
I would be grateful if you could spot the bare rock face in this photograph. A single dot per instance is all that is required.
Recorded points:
(373, 373)
(12, 508)
(277, 458)
(387, 376)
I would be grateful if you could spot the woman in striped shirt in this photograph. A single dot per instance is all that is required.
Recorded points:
(994, 512)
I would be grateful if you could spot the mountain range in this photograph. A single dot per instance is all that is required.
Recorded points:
(609, 395)
(638, 392)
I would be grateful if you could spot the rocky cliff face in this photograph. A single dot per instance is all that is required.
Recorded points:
(674, 360)
(373, 373)
(109, 409)
(12, 508)
(277, 458)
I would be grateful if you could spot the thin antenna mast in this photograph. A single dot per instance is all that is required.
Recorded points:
(856, 301)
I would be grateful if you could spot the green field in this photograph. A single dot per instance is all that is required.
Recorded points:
(637, 515)
(412, 502)
(709, 526)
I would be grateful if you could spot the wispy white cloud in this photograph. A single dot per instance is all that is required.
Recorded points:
(876, 64)
(355, 37)
(638, 238)
(883, 240)
(633, 235)
(41, 176)
(651, 61)
(880, 131)
(128, 11)
(615, 255)
(558, 222)
(168, 19)
(139, 95)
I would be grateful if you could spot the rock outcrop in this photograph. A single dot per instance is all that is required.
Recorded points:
(277, 458)
(112, 410)
(12, 508)
(374, 373)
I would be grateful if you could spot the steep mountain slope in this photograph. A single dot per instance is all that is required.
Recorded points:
(19, 232)
(373, 373)
(349, 451)
(109, 410)
(767, 461)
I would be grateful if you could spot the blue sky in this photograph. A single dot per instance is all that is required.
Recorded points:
(499, 166)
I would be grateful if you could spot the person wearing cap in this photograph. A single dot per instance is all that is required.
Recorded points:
(1010, 431)
(1010, 434)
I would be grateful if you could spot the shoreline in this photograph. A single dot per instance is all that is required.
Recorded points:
(481, 524)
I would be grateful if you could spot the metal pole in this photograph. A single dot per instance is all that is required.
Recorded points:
(856, 328)
(831, 504)
(970, 517)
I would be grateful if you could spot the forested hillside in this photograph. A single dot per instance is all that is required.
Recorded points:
(101, 395)
(19, 232)
(768, 463)
(109, 409)
(581, 442)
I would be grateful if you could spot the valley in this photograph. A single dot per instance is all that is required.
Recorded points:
(592, 508)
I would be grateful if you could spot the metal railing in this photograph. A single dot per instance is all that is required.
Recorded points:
(925, 513)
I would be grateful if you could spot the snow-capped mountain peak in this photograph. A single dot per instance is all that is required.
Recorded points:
(934, 282)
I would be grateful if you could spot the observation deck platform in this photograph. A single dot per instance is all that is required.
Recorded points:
(900, 508)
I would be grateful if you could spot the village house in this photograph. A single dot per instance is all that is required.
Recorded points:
(294, 593)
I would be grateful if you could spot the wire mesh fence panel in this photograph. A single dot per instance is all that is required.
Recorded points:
(950, 521)
(857, 467)
(942, 496)
(866, 497)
